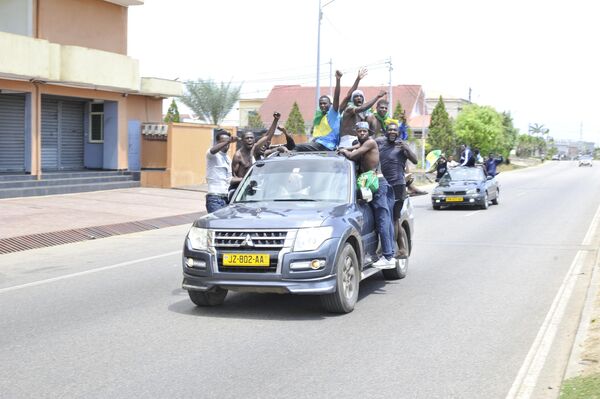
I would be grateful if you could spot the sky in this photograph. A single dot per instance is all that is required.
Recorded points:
(538, 60)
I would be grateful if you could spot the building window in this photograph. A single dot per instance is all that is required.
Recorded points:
(96, 123)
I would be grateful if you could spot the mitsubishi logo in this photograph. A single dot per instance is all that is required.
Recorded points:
(248, 241)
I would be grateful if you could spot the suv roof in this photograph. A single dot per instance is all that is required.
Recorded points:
(307, 155)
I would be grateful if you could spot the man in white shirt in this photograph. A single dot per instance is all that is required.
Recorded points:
(218, 172)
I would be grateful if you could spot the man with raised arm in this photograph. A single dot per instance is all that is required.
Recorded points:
(366, 154)
(261, 147)
(243, 158)
(218, 172)
(356, 111)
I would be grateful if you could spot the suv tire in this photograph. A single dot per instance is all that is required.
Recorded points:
(348, 278)
(215, 297)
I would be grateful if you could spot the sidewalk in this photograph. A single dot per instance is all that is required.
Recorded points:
(35, 215)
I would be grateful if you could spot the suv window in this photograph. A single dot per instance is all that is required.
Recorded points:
(296, 180)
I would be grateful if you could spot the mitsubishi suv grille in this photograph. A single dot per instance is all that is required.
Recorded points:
(252, 239)
(249, 242)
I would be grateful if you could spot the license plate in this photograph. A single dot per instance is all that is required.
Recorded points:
(454, 199)
(260, 260)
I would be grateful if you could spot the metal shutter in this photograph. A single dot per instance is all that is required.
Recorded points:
(71, 134)
(12, 132)
(62, 134)
(49, 134)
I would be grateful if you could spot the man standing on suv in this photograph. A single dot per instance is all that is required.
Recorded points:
(367, 156)
(218, 172)
(393, 155)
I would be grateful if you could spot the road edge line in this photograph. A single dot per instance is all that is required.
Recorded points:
(531, 368)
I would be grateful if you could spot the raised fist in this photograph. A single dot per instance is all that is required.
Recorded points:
(276, 115)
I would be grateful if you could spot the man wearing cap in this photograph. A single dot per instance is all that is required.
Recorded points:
(366, 154)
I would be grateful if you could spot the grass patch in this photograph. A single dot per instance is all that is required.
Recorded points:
(505, 168)
(581, 388)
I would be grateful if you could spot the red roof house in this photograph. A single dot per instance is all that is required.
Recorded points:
(281, 99)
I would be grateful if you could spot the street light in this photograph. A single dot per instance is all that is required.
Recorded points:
(319, 49)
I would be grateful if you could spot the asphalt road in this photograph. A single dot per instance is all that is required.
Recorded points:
(107, 319)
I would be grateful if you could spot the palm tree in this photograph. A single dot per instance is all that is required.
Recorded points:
(210, 101)
(537, 129)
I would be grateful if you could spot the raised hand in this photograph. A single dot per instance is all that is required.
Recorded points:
(362, 72)
(276, 115)
(338, 74)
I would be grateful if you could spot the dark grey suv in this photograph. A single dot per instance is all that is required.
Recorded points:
(296, 224)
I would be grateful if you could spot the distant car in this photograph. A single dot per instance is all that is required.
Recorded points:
(585, 161)
(465, 186)
(556, 157)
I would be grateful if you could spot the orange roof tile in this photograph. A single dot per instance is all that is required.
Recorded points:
(281, 99)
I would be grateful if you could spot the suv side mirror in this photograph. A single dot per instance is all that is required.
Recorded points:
(364, 194)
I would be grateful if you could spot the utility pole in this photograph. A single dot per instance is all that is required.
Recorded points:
(318, 94)
(330, 79)
(469, 95)
(390, 69)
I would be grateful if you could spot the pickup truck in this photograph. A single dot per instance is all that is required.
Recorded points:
(296, 224)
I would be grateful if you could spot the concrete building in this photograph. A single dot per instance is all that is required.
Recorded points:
(70, 97)
(453, 105)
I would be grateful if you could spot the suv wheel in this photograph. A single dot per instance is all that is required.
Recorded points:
(348, 279)
(215, 297)
(399, 272)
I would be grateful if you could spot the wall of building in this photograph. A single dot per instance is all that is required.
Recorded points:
(16, 16)
(95, 24)
(144, 109)
(153, 154)
(185, 151)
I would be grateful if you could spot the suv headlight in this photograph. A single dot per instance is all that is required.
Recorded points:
(198, 238)
(311, 238)
(472, 191)
(438, 190)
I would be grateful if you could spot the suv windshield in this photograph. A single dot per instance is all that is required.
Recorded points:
(296, 180)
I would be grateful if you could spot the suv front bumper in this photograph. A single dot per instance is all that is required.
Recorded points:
(205, 273)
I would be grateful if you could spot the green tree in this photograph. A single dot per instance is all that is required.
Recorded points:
(441, 135)
(480, 127)
(172, 113)
(295, 122)
(210, 101)
(539, 130)
(400, 115)
(254, 121)
(510, 135)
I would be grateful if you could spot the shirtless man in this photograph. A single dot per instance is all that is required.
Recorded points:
(356, 111)
(261, 147)
(366, 153)
(243, 158)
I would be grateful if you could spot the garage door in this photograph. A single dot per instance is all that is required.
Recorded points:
(62, 134)
(12, 132)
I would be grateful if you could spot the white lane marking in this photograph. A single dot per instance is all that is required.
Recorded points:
(531, 368)
(471, 214)
(100, 269)
(521, 194)
(587, 240)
